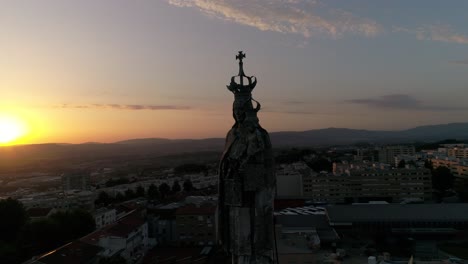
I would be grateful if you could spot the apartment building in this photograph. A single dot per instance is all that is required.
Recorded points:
(196, 224)
(290, 179)
(387, 154)
(392, 185)
(458, 167)
(458, 152)
(104, 216)
(127, 237)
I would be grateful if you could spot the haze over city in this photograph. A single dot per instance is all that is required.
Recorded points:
(102, 71)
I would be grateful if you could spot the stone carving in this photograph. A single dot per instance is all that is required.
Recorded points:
(246, 180)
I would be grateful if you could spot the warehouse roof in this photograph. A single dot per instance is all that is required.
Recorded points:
(398, 213)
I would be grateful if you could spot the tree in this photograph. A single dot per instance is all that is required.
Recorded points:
(402, 164)
(321, 164)
(129, 194)
(114, 182)
(120, 197)
(164, 190)
(104, 199)
(81, 222)
(188, 185)
(292, 155)
(153, 192)
(12, 218)
(46, 234)
(176, 187)
(140, 191)
(10, 253)
(442, 178)
(428, 164)
(40, 236)
(73, 224)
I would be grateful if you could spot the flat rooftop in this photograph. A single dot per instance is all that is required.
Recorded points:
(303, 221)
(456, 212)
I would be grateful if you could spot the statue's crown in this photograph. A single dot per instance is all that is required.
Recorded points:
(239, 88)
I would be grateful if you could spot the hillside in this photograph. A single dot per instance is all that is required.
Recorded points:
(144, 148)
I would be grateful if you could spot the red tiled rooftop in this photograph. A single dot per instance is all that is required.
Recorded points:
(125, 226)
(75, 252)
(122, 228)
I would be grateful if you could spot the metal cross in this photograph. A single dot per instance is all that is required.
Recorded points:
(240, 56)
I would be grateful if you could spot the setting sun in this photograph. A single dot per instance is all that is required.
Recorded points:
(11, 130)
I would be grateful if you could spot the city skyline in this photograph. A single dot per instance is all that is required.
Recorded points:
(112, 70)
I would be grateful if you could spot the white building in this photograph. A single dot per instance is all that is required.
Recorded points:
(457, 166)
(387, 154)
(458, 152)
(128, 238)
(418, 159)
(289, 179)
(375, 182)
(345, 168)
(104, 217)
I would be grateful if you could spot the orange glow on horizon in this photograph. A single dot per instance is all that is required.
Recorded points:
(13, 130)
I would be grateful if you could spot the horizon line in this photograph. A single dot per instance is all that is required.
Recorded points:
(220, 137)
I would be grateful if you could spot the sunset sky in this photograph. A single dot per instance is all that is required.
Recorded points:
(87, 70)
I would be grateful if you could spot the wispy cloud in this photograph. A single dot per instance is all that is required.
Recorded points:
(437, 32)
(303, 17)
(123, 107)
(400, 101)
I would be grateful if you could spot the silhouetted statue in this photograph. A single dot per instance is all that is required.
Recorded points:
(246, 180)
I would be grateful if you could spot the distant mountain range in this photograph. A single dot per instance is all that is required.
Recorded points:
(330, 136)
(162, 146)
(344, 136)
